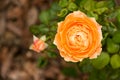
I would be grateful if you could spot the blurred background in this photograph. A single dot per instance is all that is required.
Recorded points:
(18, 20)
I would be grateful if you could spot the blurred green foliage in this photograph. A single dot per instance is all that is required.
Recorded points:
(115, 61)
(42, 62)
(111, 46)
(69, 71)
(101, 61)
(107, 13)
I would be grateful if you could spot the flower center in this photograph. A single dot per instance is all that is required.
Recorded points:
(78, 37)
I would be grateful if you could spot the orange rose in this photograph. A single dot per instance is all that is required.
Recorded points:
(78, 37)
(38, 44)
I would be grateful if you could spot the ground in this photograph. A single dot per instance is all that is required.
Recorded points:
(17, 62)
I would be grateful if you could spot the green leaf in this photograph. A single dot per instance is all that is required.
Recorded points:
(53, 11)
(101, 61)
(91, 14)
(104, 38)
(54, 6)
(63, 3)
(34, 30)
(111, 46)
(82, 3)
(100, 10)
(118, 16)
(116, 37)
(69, 71)
(72, 6)
(85, 66)
(42, 62)
(77, 2)
(52, 54)
(53, 28)
(115, 61)
(41, 29)
(89, 5)
(44, 17)
(102, 75)
(111, 3)
(63, 12)
(101, 4)
(112, 15)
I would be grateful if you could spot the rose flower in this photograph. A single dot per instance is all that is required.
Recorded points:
(38, 45)
(78, 37)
